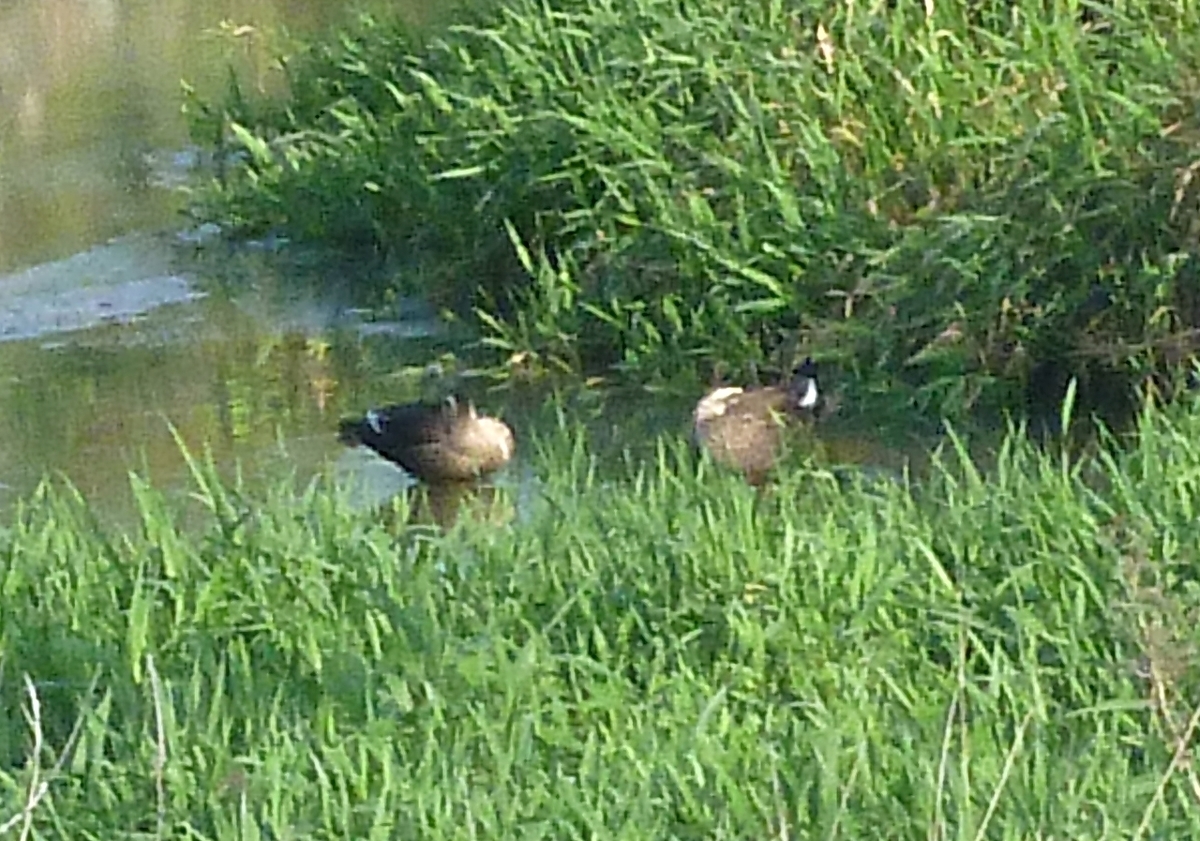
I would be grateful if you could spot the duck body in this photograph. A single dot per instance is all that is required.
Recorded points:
(437, 443)
(745, 428)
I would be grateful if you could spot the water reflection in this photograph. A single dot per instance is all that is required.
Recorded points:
(443, 505)
(114, 338)
(116, 282)
(258, 370)
(256, 363)
(90, 95)
(235, 373)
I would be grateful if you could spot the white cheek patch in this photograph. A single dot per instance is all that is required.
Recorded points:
(810, 395)
(375, 421)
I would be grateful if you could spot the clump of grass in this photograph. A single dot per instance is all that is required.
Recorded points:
(653, 651)
(956, 200)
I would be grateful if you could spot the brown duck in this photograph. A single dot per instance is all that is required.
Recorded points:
(744, 428)
(435, 442)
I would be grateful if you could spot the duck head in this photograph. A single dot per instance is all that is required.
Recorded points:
(803, 391)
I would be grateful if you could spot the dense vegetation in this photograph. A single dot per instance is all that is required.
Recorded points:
(959, 203)
(645, 652)
(962, 203)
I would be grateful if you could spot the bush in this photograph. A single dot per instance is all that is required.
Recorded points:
(959, 207)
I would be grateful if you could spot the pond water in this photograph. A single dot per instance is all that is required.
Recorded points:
(251, 352)
(119, 327)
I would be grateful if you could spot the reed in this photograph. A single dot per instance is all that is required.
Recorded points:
(962, 202)
(648, 650)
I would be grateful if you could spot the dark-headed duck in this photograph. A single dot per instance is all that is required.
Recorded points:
(744, 428)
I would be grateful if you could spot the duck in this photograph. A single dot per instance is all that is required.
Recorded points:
(745, 428)
(444, 442)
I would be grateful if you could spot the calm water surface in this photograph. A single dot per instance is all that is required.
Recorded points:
(90, 96)
(116, 325)
(108, 332)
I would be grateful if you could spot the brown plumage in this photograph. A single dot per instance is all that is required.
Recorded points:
(436, 443)
(744, 428)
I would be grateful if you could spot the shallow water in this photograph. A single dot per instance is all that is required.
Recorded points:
(119, 330)
(92, 137)
(105, 333)
(252, 353)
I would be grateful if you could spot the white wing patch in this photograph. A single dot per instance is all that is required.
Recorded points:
(375, 421)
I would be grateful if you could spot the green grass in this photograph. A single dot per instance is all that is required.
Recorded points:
(952, 200)
(644, 652)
